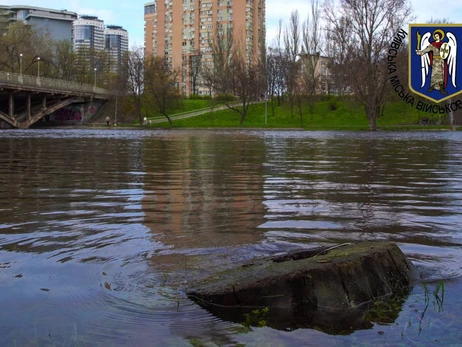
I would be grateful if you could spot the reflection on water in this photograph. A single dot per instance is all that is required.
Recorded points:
(100, 230)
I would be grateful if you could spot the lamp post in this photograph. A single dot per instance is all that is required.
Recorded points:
(38, 67)
(20, 65)
(95, 77)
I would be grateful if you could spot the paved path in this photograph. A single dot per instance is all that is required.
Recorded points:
(186, 114)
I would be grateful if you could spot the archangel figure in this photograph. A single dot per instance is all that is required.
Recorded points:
(440, 56)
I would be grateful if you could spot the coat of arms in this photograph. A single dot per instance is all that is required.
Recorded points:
(434, 60)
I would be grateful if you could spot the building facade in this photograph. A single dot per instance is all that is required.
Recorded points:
(88, 33)
(181, 31)
(318, 66)
(116, 45)
(57, 22)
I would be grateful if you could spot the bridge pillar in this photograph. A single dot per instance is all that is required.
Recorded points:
(28, 106)
(82, 112)
(11, 104)
(44, 102)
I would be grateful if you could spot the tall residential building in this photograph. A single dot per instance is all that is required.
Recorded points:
(181, 30)
(57, 22)
(116, 44)
(88, 33)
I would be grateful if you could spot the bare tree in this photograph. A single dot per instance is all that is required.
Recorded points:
(235, 72)
(195, 71)
(311, 48)
(364, 28)
(217, 74)
(272, 74)
(276, 66)
(246, 80)
(337, 53)
(292, 36)
(119, 87)
(161, 85)
(135, 78)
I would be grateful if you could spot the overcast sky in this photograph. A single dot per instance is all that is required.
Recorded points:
(129, 13)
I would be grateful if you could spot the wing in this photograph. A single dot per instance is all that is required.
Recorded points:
(424, 59)
(452, 57)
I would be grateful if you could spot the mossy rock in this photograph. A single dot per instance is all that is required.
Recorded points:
(333, 282)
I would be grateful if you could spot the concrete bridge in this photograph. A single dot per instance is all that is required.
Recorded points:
(26, 99)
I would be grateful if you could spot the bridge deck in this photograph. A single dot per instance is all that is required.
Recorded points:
(25, 99)
(50, 85)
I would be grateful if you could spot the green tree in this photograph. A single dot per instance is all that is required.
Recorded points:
(64, 60)
(20, 39)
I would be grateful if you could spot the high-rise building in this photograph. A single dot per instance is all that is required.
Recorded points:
(88, 33)
(57, 22)
(116, 44)
(92, 36)
(181, 30)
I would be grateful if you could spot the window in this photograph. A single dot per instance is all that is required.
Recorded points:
(149, 9)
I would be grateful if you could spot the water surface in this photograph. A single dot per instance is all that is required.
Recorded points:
(101, 230)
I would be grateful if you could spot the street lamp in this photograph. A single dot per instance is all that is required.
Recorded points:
(20, 65)
(38, 67)
(95, 77)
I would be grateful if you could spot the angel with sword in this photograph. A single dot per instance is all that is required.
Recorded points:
(441, 56)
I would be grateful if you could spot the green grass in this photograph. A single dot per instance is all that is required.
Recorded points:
(330, 114)
(187, 105)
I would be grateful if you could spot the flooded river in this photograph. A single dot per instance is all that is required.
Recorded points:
(102, 230)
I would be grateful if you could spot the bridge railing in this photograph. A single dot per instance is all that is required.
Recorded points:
(50, 83)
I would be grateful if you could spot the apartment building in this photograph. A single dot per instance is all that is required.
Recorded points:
(116, 44)
(57, 22)
(321, 72)
(181, 31)
(88, 33)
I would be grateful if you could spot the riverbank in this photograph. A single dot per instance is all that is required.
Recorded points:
(238, 128)
(331, 113)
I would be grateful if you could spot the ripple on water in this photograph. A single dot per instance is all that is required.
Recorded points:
(100, 230)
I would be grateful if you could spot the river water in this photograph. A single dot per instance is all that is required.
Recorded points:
(102, 230)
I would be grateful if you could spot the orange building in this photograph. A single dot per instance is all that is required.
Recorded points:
(181, 31)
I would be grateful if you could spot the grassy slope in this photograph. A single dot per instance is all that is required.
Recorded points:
(187, 105)
(332, 114)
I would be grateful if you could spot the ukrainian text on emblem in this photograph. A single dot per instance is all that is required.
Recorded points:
(434, 60)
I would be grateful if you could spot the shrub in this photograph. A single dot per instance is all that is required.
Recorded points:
(222, 98)
(333, 106)
(199, 97)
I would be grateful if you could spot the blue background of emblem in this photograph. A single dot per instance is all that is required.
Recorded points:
(415, 78)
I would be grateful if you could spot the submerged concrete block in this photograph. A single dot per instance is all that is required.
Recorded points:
(330, 281)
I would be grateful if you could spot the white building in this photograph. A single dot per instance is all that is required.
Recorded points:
(88, 32)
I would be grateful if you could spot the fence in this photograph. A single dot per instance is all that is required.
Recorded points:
(16, 79)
